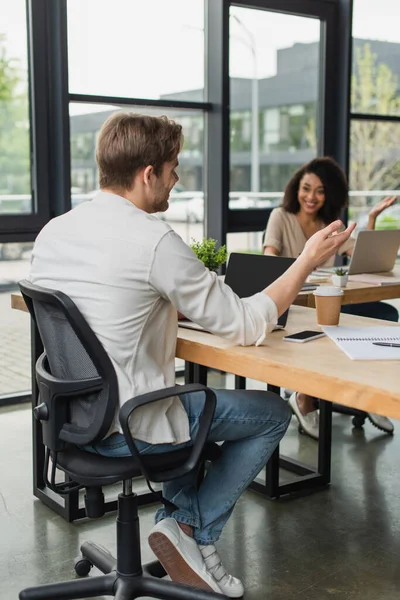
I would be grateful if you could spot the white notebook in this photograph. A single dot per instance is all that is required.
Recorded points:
(375, 279)
(357, 342)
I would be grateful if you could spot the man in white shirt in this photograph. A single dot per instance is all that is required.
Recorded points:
(129, 273)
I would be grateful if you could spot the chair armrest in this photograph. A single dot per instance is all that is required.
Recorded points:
(205, 422)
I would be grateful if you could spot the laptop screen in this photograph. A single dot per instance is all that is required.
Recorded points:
(248, 274)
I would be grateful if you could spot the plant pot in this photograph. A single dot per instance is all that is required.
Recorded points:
(340, 280)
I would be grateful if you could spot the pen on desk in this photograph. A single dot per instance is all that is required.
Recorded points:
(386, 344)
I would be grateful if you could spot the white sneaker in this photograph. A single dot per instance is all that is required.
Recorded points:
(229, 585)
(180, 556)
(310, 422)
(382, 423)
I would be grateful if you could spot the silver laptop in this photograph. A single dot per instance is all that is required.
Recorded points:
(374, 252)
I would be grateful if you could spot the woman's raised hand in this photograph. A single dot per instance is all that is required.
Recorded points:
(381, 206)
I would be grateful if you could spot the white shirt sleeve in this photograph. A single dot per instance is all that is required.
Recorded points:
(178, 275)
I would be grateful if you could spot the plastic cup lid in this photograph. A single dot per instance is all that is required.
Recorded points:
(328, 290)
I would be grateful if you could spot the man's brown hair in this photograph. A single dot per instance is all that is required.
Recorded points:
(129, 142)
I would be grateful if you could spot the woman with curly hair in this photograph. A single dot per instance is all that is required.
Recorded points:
(316, 195)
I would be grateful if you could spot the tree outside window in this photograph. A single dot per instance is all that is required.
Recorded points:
(375, 145)
(14, 124)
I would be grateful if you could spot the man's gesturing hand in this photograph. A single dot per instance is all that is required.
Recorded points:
(325, 243)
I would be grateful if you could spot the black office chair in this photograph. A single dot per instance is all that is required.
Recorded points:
(78, 395)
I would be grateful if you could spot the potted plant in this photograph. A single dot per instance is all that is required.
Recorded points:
(209, 254)
(340, 277)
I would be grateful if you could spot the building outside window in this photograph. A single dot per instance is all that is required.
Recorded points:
(117, 69)
(375, 111)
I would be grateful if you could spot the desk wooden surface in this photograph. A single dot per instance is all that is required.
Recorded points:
(318, 368)
(355, 293)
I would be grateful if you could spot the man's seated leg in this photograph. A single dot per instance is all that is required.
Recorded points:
(250, 424)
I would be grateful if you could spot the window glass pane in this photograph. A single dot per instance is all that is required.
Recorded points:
(15, 182)
(15, 366)
(374, 170)
(186, 205)
(245, 241)
(137, 49)
(376, 57)
(274, 75)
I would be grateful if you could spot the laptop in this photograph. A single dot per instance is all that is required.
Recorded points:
(375, 251)
(248, 274)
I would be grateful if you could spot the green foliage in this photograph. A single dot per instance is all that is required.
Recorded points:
(207, 252)
(387, 222)
(374, 144)
(14, 126)
(340, 271)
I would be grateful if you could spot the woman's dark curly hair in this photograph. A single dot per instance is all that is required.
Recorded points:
(335, 187)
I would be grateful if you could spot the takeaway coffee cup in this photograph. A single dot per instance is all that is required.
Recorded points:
(328, 301)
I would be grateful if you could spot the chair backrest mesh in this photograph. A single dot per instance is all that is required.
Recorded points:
(67, 358)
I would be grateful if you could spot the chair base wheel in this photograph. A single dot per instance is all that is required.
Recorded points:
(82, 566)
(358, 422)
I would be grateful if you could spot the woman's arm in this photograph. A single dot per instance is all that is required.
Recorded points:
(272, 243)
(271, 251)
(380, 207)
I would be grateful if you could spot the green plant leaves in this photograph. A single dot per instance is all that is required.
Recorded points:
(207, 252)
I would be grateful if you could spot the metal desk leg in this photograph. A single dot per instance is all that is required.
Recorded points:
(189, 372)
(306, 478)
(271, 488)
(325, 441)
(37, 439)
(68, 506)
(195, 373)
(240, 382)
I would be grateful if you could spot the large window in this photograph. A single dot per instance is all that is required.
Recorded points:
(15, 181)
(375, 103)
(255, 89)
(164, 68)
(137, 49)
(274, 85)
(15, 193)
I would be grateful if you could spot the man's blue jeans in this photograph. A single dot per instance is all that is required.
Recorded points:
(250, 424)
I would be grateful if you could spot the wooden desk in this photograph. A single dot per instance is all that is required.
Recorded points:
(18, 302)
(355, 293)
(318, 368)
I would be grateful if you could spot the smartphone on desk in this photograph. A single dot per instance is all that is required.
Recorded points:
(309, 287)
(304, 336)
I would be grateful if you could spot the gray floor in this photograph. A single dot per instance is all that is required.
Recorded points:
(342, 543)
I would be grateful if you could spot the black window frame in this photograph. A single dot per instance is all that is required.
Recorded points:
(50, 98)
(354, 115)
(335, 74)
